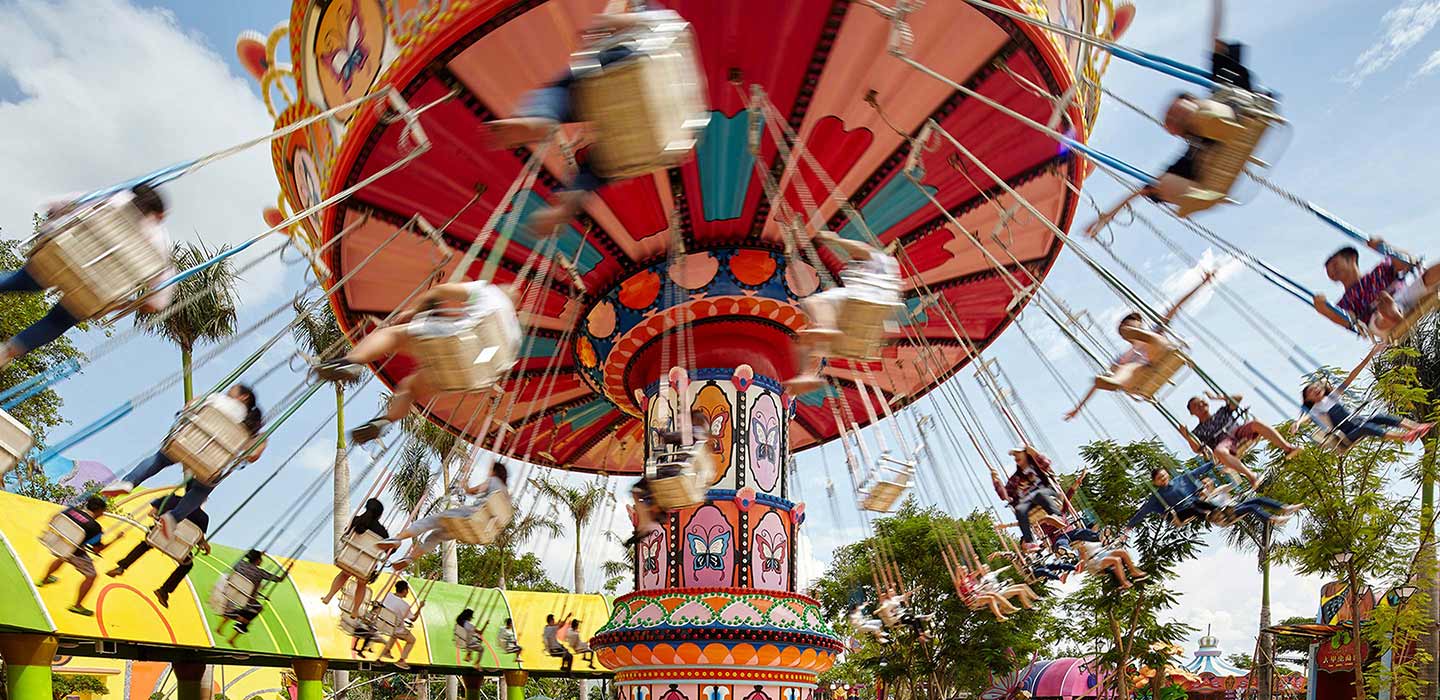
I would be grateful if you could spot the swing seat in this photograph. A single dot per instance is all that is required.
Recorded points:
(474, 356)
(647, 110)
(484, 524)
(183, 539)
(205, 441)
(1402, 330)
(864, 321)
(232, 593)
(1145, 381)
(98, 258)
(687, 473)
(384, 622)
(1221, 165)
(62, 535)
(15, 441)
(359, 554)
(883, 496)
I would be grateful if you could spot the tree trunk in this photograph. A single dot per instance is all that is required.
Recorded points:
(1265, 664)
(1359, 639)
(449, 567)
(579, 570)
(185, 370)
(1429, 670)
(501, 582)
(341, 503)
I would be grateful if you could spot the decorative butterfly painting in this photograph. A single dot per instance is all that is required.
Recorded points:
(765, 443)
(346, 60)
(709, 548)
(769, 552)
(714, 402)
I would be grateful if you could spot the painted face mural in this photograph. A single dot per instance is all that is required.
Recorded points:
(765, 443)
(348, 43)
(709, 549)
(770, 553)
(307, 183)
(715, 404)
(654, 560)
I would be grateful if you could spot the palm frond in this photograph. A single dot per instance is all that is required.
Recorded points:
(204, 304)
(581, 502)
(411, 482)
(317, 332)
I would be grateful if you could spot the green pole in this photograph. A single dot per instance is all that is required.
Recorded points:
(515, 685)
(310, 675)
(189, 680)
(27, 664)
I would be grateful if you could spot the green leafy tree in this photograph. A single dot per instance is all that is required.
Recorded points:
(1358, 527)
(1294, 645)
(41, 412)
(481, 566)
(203, 310)
(968, 647)
(318, 334)
(1127, 627)
(63, 685)
(1421, 354)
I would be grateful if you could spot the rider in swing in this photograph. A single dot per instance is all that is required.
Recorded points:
(1032, 484)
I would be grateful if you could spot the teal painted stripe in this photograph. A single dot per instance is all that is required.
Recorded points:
(726, 166)
(540, 347)
(895, 201)
(568, 239)
(582, 417)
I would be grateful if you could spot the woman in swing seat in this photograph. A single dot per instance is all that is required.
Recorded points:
(428, 533)
(1146, 346)
(544, 110)
(1202, 123)
(1380, 299)
(239, 404)
(367, 520)
(457, 304)
(1323, 404)
(54, 324)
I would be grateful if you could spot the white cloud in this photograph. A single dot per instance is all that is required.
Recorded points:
(317, 457)
(1431, 65)
(1402, 28)
(111, 91)
(1185, 279)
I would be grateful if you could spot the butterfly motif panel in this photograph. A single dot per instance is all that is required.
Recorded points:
(709, 545)
(652, 561)
(770, 548)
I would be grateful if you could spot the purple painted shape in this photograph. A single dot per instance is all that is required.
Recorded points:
(87, 471)
(765, 443)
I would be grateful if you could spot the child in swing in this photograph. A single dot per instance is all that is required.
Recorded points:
(1145, 347)
(1323, 404)
(544, 110)
(1381, 298)
(429, 532)
(1222, 432)
(871, 274)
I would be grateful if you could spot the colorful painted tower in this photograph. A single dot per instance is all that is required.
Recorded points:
(715, 615)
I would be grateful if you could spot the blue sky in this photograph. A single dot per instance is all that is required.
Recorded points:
(95, 91)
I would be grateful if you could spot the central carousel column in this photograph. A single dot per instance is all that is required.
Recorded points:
(714, 615)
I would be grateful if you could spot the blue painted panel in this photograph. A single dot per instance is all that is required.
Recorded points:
(726, 166)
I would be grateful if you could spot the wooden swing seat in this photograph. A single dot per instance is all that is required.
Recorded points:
(484, 523)
(686, 488)
(15, 441)
(472, 359)
(62, 535)
(205, 441)
(884, 494)
(231, 594)
(359, 554)
(98, 258)
(647, 110)
(183, 540)
(1402, 330)
(864, 322)
(1219, 166)
(1146, 380)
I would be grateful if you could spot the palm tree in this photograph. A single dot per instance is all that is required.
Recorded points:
(520, 530)
(1421, 352)
(318, 334)
(616, 570)
(1245, 536)
(583, 503)
(410, 483)
(204, 305)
